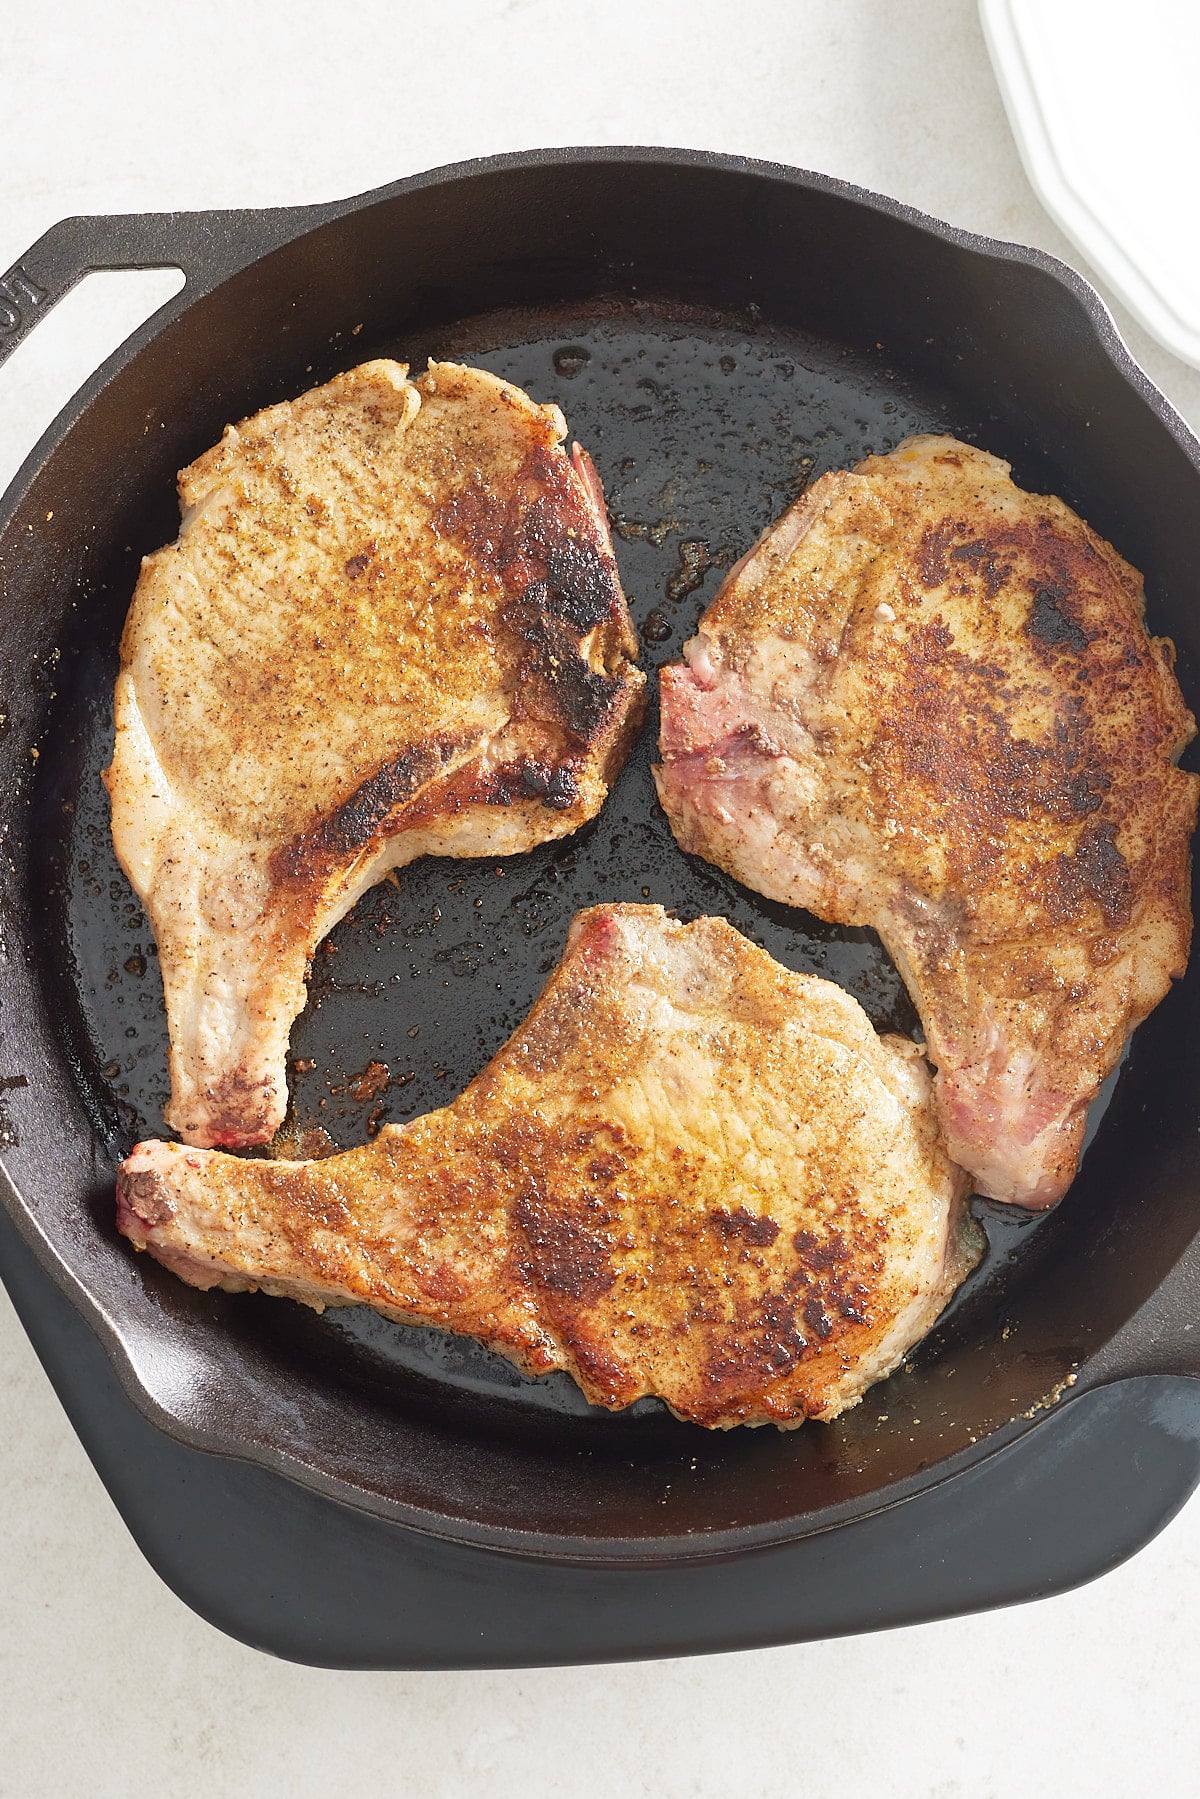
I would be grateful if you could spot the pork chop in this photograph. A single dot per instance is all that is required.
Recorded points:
(391, 626)
(927, 702)
(690, 1173)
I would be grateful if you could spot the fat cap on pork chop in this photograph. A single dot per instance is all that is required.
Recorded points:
(927, 702)
(391, 626)
(691, 1173)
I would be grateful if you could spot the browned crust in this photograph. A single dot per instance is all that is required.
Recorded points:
(551, 774)
(562, 589)
(577, 697)
(994, 734)
(1081, 822)
(575, 1236)
(946, 746)
(366, 817)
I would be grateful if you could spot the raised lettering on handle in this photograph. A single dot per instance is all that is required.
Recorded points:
(18, 295)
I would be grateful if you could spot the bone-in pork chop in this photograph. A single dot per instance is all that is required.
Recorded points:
(927, 702)
(391, 625)
(690, 1173)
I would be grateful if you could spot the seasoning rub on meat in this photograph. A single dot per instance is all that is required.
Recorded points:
(391, 626)
(691, 1173)
(927, 702)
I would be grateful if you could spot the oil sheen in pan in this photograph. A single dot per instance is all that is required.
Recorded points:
(703, 429)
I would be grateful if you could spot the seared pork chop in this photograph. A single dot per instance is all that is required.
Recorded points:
(927, 702)
(690, 1173)
(391, 626)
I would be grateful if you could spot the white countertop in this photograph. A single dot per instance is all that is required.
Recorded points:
(108, 1684)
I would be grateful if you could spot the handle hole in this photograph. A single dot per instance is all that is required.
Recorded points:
(71, 341)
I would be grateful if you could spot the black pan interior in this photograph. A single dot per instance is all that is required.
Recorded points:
(704, 419)
(703, 428)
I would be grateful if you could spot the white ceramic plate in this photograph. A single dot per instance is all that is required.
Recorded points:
(1104, 102)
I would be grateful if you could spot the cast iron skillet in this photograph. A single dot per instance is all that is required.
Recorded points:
(717, 331)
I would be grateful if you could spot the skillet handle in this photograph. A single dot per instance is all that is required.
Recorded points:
(1162, 1337)
(207, 246)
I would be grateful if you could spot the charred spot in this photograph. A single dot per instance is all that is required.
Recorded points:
(933, 551)
(563, 790)
(828, 1279)
(541, 539)
(503, 785)
(353, 824)
(542, 542)
(781, 1342)
(556, 787)
(358, 565)
(569, 1249)
(580, 581)
(948, 737)
(1095, 871)
(1051, 623)
(1086, 790)
(766, 1345)
(480, 521)
(820, 1253)
(987, 563)
(817, 1318)
(743, 1225)
(607, 1166)
(535, 779)
(558, 683)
